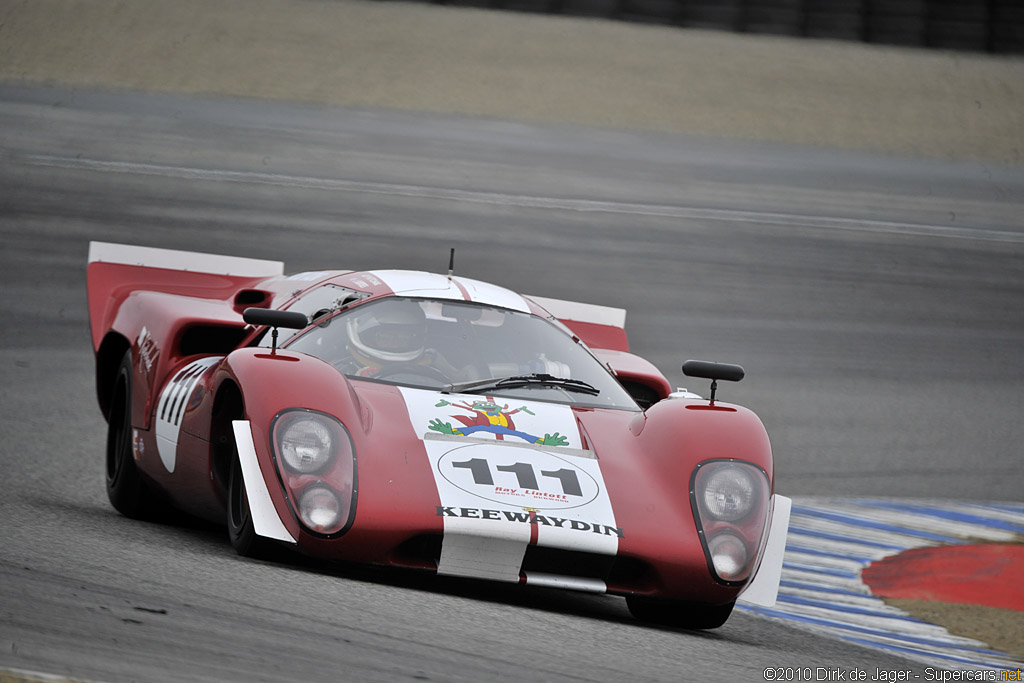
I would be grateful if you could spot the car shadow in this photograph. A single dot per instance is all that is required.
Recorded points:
(198, 535)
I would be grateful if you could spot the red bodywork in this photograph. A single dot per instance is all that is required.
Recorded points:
(168, 318)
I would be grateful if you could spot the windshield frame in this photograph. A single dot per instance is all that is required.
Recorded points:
(583, 364)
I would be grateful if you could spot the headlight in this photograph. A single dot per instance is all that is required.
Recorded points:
(729, 493)
(728, 555)
(730, 500)
(319, 508)
(305, 442)
(316, 463)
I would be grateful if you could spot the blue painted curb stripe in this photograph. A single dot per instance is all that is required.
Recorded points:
(871, 524)
(797, 566)
(810, 602)
(951, 515)
(826, 553)
(793, 529)
(822, 589)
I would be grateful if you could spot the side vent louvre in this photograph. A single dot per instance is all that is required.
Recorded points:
(210, 339)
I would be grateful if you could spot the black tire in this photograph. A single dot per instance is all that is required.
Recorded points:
(241, 532)
(688, 615)
(128, 492)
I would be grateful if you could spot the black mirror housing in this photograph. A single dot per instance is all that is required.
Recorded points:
(709, 370)
(292, 320)
(713, 372)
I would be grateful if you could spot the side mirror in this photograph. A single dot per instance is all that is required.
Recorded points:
(714, 372)
(292, 320)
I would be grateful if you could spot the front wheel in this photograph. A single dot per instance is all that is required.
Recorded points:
(688, 615)
(241, 531)
(126, 489)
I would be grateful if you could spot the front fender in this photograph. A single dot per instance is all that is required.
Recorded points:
(681, 433)
(270, 383)
(678, 435)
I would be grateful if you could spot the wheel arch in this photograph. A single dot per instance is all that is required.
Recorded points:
(228, 405)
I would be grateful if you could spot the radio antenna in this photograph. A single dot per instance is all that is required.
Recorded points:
(451, 264)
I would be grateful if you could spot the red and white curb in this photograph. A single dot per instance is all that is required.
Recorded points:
(832, 539)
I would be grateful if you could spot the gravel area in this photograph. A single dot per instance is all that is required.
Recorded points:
(528, 67)
(1002, 629)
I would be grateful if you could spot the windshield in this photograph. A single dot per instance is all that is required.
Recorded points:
(462, 347)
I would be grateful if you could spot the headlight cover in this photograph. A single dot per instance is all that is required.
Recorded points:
(319, 508)
(729, 555)
(730, 500)
(316, 464)
(307, 446)
(729, 492)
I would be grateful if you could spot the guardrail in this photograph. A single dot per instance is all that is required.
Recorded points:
(979, 25)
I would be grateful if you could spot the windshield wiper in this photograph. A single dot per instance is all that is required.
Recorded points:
(534, 379)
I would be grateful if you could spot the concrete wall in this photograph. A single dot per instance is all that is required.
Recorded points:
(979, 25)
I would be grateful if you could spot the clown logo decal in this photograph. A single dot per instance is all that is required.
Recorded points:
(487, 417)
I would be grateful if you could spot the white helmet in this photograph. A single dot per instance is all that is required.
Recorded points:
(390, 331)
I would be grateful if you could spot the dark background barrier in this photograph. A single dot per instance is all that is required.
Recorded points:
(979, 25)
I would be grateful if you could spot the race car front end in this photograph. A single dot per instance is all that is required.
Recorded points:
(584, 511)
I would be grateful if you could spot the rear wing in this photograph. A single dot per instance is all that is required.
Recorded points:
(599, 327)
(117, 270)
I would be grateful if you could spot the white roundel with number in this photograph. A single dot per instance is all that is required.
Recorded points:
(518, 477)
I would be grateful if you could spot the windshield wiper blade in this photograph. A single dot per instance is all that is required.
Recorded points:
(534, 379)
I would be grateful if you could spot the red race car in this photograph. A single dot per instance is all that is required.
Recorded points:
(432, 422)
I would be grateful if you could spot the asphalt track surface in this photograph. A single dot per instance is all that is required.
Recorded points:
(875, 302)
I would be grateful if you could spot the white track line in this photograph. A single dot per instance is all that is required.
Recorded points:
(527, 201)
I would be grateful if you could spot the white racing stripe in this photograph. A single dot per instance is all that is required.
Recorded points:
(491, 551)
(832, 540)
(414, 283)
(486, 293)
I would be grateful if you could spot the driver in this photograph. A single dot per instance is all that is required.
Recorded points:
(388, 334)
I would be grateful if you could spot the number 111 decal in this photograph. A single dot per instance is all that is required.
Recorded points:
(525, 473)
